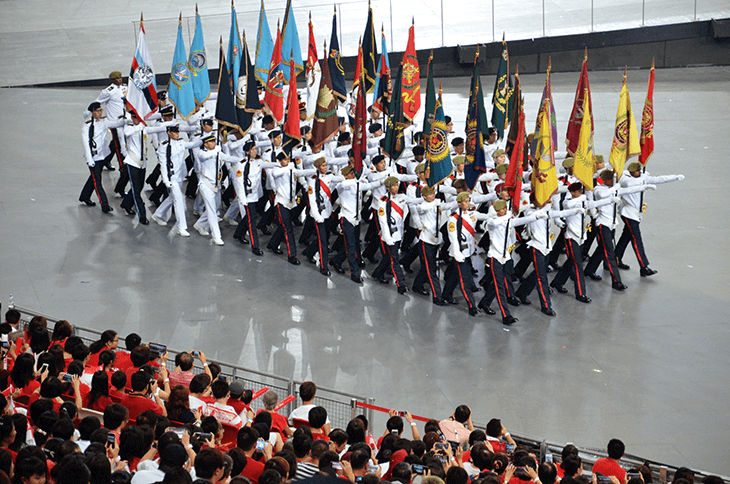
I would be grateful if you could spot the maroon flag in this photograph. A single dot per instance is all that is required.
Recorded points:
(576, 115)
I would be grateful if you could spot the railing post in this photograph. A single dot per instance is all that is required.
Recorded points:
(543, 450)
(291, 405)
(369, 413)
(353, 408)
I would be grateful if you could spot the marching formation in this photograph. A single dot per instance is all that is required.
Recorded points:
(261, 155)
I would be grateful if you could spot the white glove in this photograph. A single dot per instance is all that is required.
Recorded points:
(541, 214)
(91, 164)
(576, 211)
(616, 199)
(680, 177)
(168, 184)
(319, 220)
(581, 210)
(651, 187)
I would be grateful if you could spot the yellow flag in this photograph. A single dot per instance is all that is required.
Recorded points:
(584, 165)
(544, 177)
(626, 135)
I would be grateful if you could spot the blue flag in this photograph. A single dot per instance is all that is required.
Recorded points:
(235, 50)
(198, 64)
(383, 66)
(438, 164)
(180, 90)
(264, 47)
(290, 43)
(337, 73)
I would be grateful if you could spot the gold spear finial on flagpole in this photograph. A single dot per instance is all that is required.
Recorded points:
(180, 19)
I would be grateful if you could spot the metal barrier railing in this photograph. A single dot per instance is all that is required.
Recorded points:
(343, 407)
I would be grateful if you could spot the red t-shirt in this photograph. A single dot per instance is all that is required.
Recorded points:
(123, 360)
(609, 467)
(137, 404)
(278, 422)
(252, 470)
(99, 405)
(238, 405)
(27, 390)
(94, 359)
(114, 393)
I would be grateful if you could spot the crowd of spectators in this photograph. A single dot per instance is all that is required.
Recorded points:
(77, 414)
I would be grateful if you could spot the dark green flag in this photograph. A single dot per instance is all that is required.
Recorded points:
(394, 138)
(369, 53)
(502, 96)
(430, 108)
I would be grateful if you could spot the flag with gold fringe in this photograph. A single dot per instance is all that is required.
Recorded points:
(625, 135)
(180, 88)
(274, 97)
(584, 165)
(513, 179)
(325, 122)
(438, 157)
(544, 176)
(411, 80)
(502, 96)
(647, 121)
(576, 115)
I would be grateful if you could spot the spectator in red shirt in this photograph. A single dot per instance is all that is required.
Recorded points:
(118, 383)
(98, 397)
(317, 419)
(182, 374)
(138, 400)
(246, 441)
(238, 395)
(572, 466)
(609, 466)
(109, 341)
(22, 377)
(123, 357)
(116, 417)
(279, 423)
(61, 331)
(567, 450)
(547, 472)
(210, 465)
(495, 433)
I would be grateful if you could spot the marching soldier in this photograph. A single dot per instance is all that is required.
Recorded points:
(321, 186)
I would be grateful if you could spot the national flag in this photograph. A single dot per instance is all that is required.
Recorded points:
(394, 137)
(430, 109)
(438, 158)
(180, 89)
(514, 127)
(584, 165)
(647, 122)
(234, 50)
(198, 63)
(359, 123)
(576, 115)
(274, 97)
(370, 52)
(383, 88)
(502, 96)
(292, 134)
(547, 93)
(247, 96)
(314, 73)
(325, 122)
(142, 89)
(513, 179)
(291, 50)
(475, 127)
(625, 135)
(225, 107)
(334, 60)
(264, 47)
(544, 176)
(411, 81)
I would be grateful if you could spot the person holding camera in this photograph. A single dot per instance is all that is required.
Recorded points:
(138, 401)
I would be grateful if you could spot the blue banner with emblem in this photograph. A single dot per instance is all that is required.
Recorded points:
(235, 51)
(438, 164)
(198, 64)
(180, 89)
(264, 47)
(291, 50)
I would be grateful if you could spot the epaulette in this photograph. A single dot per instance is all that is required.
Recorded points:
(384, 198)
(110, 88)
(87, 122)
(164, 142)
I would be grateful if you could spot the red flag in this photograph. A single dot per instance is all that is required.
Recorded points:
(513, 180)
(411, 81)
(647, 122)
(359, 129)
(358, 67)
(292, 133)
(312, 56)
(274, 98)
(576, 115)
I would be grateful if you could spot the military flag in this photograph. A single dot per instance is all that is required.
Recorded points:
(142, 89)
(291, 50)
(357, 80)
(334, 60)
(502, 96)
(247, 96)
(274, 97)
(180, 89)
(626, 134)
(369, 52)
(292, 135)
(475, 117)
(547, 93)
(584, 165)
(264, 47)
(430, 109)
(438, 158)
(359, 123)
(411, 81)
(234, 50)
(576, 115)
(383, 87)
(314, 73)
(325, 117)
(513, 180)
(514, 127)
(647, 122)
(225, 107)
(394, 136)
(198, 63)
(544, 176)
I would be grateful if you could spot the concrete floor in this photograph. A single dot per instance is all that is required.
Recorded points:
(648, 366)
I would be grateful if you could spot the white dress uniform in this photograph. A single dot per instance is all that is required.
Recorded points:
(173, 171)
(211, 164)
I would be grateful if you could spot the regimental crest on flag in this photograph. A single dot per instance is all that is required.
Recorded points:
(180, 74)
(647, 123)
(241, 92)
(143, 77)
(198, 61)
(470, 144)
(438, 145)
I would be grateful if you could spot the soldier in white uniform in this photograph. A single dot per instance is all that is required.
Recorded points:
(428, 218)
(321, 186)
(211, 161)
(112, 99)
(96, 149)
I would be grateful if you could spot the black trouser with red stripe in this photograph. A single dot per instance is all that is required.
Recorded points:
(573, 268)
(632, 233)
(351, 234)
(248, 224)
(427, 273)
(459, 273)
(538, 278)
(93, 183)
(285, 231)
(390, 260)
(116, 150)
(321, 242)
(134, 196)
(604, 252)
(497, 288)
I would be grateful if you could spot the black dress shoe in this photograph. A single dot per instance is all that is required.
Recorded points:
(360, 263)
(645, 271)
(337, 267)
(402, 289)
(324, 271)
(509, 320)
(265, 230)
(548, 311)
(486, 308)
(144, 221)
(408, 269)
(356, 278)
(473, 311)
(621, 265)
(593, 276)
(311, 260)
(525, 301)
(560, 289)
(110, 167)
(619, 286)
(439, 301)
(475, 289)
(513, 301)
(120, 193)
(583, 299)
(88, 203)
(257, 251)
(275, 250)
(107, 209)
(420, 290)
(453, 301)
(382, 279)
(129, 211)
(294, 261)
